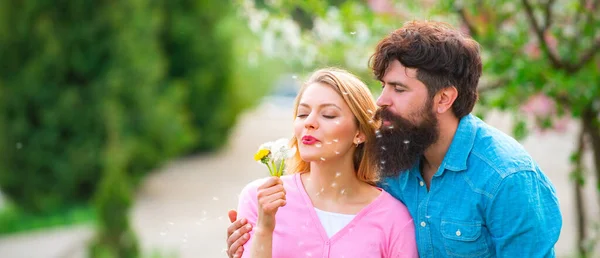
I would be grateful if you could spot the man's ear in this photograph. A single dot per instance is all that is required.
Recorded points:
(444, 99)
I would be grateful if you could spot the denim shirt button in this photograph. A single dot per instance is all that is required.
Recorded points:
(423, 224)
(458, 232)
(421, 183)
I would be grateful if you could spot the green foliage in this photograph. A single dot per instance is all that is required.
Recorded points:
(13, 219)
(180, 73)
(201, 41)
(114, 197)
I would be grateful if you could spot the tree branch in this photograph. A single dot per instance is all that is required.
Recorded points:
(493, 86)
(548, 14)
(463, 15)
(540, 35)
(585, 57)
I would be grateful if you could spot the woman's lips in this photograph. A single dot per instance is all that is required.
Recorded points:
(309, 140)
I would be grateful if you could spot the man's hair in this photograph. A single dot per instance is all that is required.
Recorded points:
(442, 55)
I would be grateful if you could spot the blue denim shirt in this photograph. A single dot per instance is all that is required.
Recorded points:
(488, 199)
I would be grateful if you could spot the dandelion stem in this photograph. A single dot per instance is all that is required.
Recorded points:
(280, 170)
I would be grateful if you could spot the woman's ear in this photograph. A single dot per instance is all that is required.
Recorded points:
(359, 138)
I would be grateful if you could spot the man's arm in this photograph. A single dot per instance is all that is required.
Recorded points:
(524, 216)
(237, 235)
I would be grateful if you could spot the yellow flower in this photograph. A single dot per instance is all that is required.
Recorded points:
(261, 154)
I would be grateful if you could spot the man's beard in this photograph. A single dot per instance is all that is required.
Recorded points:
(402, 143)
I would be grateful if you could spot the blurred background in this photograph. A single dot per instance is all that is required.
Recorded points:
(127, 128)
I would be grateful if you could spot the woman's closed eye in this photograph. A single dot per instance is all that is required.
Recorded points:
(329, 116)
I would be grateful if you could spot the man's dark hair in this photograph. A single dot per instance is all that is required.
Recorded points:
(442, 55)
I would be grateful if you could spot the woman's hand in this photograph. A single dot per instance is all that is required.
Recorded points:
(271, 196)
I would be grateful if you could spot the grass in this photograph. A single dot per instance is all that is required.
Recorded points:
(13, 220)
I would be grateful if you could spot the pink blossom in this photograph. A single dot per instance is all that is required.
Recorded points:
(532, 50)
(539, 105)
(589, 5)
(381, 6)
(551, 42)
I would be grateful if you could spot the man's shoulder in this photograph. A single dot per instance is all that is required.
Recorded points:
(499, 152)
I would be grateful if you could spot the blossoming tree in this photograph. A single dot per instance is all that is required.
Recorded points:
(540, 57)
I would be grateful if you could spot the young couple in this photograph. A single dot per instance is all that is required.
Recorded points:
(418, 176)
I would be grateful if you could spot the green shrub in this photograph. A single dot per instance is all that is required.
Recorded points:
(60, 64)
(114, 197)
(176, 71)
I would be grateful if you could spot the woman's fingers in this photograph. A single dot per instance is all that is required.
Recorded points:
(269, 204)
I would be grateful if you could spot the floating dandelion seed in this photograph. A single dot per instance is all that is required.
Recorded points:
(383, 162)
(338, 174)
(391, 127)
(215, 198)
(378, 136)
(322, 189)
(318, 145)
(383, 148)
(337, 122)
(294, 77)
(322, 159)
(406, 141)
(370, 111)
(334, 184)
(171, 223)
(220, 218)
(353, 33)
(343, 191)
(328, 142)
(337, 153)
(19, 145)
(336, 140)
(345, 93)
(371, 121)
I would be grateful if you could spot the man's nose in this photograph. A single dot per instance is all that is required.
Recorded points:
(383, 99)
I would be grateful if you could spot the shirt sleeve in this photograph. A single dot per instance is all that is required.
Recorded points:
(248, 209)
(403, 242)
(524, 216)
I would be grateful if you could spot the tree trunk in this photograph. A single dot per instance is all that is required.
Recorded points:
(578, 179)
(592, 129)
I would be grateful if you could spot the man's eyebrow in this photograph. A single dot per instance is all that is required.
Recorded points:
(397, 83)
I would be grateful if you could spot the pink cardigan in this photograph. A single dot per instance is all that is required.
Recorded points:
(383, 228)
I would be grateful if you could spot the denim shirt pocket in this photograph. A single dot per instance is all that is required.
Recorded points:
(464, 239)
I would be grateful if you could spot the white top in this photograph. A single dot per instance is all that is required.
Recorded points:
(333, 222)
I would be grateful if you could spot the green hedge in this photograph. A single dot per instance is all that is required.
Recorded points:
(174, 71)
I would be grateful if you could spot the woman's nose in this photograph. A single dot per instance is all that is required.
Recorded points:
(311, 122)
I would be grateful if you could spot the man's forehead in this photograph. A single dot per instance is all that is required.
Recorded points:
(398, 72)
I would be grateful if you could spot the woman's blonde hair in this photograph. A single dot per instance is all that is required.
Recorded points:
(360, 100)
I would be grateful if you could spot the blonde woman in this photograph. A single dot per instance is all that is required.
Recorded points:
(328, 204)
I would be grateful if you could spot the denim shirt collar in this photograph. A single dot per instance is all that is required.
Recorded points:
(462, 143)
